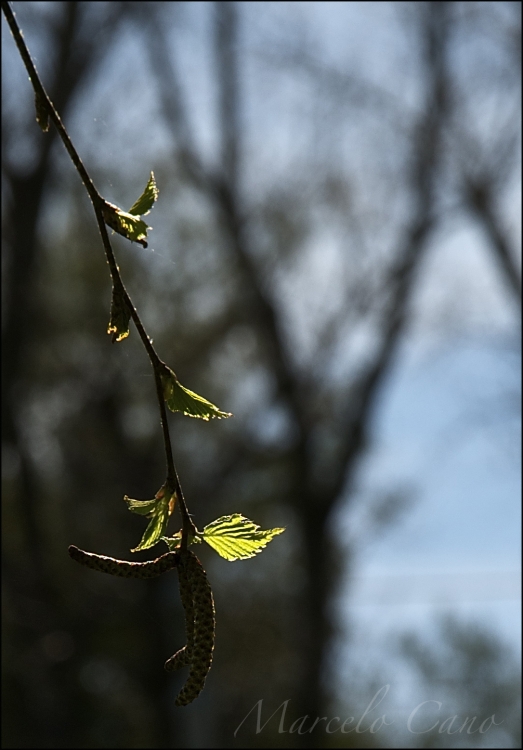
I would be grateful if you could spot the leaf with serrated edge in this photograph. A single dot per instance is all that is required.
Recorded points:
(132, 228)
(126, 224)
(156, 527)
(189, 403)
(146, 201)
(158, 510)
(120, 316)
(236, 537)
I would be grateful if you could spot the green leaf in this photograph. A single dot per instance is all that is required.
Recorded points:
(236, 537)
(42, 114)
(120, 315)
(127, 225)
(142, 507)
(173, 542)
(146, 201)
(182, 399)
(158, 510)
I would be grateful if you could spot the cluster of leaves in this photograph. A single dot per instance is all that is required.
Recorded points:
(129, 225)
(233, 537)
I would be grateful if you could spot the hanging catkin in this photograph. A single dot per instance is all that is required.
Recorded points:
(183, 657)
(200, 655)
(123, 568)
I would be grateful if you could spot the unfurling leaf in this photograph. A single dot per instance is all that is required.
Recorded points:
(236, 537)
(146, 201)
(42, 115)
(127, 225)
(120, 315)
(174, 541)
(159, 509)
(142, 507)
(182, 399)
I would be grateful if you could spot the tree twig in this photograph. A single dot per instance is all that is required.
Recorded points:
(173, 482)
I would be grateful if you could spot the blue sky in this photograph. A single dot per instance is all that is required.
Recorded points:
(448, 427)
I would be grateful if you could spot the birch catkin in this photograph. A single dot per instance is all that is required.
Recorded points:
(123, 568)
(199, 656)
(183, 657)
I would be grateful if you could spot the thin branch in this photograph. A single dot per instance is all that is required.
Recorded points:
(480, 200)
(222, 186)
(173, 482)
(41, 93)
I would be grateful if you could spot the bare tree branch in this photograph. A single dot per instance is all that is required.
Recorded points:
(481, 201)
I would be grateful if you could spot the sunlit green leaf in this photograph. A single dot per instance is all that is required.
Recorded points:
(127, 225)
(182, 399)
(145, 202)
(142, 507)
(173, 542)
(120, 315)
(158, 510)
(236, 537)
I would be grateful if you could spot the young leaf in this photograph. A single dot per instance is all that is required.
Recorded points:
(120, 316)
(145, 202)
(182, 399)
(127, 225)
(173, 542)
(236, 537)
(158, 510)
(142, 507)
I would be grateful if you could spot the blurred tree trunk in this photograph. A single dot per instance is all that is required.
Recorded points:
(20, 321)
(480, 197)
(314, 502)
(311, 498)
(44, 703)
(26, 190)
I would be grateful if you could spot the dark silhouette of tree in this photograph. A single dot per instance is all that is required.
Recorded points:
(477, 676)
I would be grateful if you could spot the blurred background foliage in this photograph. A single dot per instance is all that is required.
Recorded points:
(301, 190)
